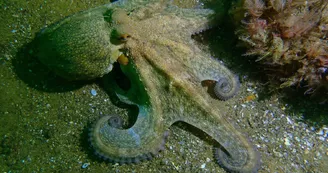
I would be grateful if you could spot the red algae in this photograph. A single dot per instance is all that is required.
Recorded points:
(289, 37)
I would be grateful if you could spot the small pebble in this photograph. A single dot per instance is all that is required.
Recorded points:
(287, 142)
(203, 165)
(289, 121)
(320, 132)
(85, 165)
(93, 92)
(321, 138)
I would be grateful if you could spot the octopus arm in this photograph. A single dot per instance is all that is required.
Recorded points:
(186, 100)
(139, 142)
(226, 83)
(195, 20)
(233, 151)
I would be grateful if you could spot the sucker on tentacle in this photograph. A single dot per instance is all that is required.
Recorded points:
(116, 122)
(224, 90)
(97, 142)
(228, 163)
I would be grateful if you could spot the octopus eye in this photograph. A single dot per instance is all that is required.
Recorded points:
(118, 37)
(124, 37)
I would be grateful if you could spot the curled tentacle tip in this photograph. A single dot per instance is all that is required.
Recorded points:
(232, 164)
(103, 142)
(225, 89)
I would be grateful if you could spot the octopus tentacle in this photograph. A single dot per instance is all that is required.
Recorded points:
(141, 141)
(226, 83)
(236, 153)
(197, 111)
(230, 164)
(123, 146)
(225, 89)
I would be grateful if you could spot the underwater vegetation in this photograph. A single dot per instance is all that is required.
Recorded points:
(289, 37)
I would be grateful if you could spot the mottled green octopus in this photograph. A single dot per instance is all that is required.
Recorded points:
(166, 71)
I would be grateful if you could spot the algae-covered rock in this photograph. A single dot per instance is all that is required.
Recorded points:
(288, 37)
(81, 46)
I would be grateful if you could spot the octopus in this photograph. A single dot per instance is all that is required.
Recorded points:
(150, 42)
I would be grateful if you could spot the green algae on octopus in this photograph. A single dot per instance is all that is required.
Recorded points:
(165, 69)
